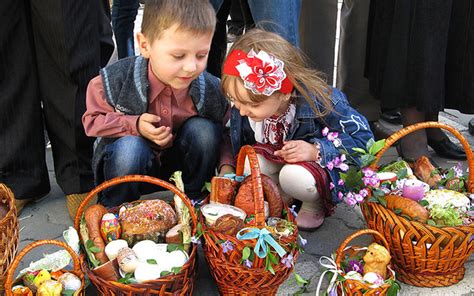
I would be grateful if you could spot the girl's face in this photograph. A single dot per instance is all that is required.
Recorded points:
(275, 104)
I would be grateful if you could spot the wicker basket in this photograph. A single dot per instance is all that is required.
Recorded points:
(76, 264)
(355, 287)
(424, 255)
(231, 276)
(181, 283)
(9, 232)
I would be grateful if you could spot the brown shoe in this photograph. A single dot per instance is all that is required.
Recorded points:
(73, 201)
(20, 204)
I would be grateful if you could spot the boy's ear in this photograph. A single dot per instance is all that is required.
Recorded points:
(143, 45)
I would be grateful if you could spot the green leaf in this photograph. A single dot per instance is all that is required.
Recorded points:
(246, 253)
(382, 200)
(176, 270)
(174, 247)
(94, 249)
(360, 150)
(366, 160)
(394, 289)
(353, 178)
(68, 292)
(369, 144)
(127, 279)
(299, 280)
(397, 211)
(402, 173)
(424, 202)
(373, 199)
(406, 217)
(431, 222)
(207, 186)
(165, 273)
(198, 230)
(272, 258)
(151, 261)
(376, 147)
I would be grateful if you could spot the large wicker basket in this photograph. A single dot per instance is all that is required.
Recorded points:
(355, 287)
(181, 283)
(231, 276)
(76, 264)
(8, 232)
(424, 255)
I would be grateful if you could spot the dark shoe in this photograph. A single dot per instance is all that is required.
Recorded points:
(392, 116)
(379, 130)
(447, 149)
(471, 126)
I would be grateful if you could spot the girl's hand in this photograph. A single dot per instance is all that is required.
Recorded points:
(161, 136)
(298, 151)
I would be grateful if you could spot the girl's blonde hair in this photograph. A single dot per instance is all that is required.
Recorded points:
(306, 80)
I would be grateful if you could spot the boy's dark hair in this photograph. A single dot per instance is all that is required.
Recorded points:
(197, 16)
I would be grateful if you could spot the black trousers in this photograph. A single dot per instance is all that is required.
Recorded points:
(49, 50)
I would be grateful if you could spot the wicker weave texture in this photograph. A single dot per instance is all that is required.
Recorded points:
(424, 255)
(9, 232)
(76, 264)
(232, 277)
(181, 283)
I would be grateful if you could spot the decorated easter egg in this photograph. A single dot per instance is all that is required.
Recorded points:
(109, 227)
(70, 281)
(127, 260)
(373, 278)
(414, 189)
(112, 248)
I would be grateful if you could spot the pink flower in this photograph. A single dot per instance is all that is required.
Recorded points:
(364, 192)
(331, 186)
(325, 131)
(358, 198)
(368, 172)
(343, 167)
(351, 201)
(340, 182)
(330, 165)
(332, 136)
(340, 195)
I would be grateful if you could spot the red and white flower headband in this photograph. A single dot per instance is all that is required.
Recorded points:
(262, 73)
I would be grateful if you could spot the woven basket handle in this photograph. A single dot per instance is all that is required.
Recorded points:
(136, 178)
(256, 179)
(431, 124)
(340, 250)
(35, 244)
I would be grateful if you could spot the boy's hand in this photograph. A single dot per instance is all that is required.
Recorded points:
(297, 151)
(159, 135)
(226, 169)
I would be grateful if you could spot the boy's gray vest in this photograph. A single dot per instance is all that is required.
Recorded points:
(126, 88)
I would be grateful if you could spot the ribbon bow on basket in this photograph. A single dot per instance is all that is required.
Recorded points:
(264, 237)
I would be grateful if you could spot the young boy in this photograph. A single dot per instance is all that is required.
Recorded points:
(160, 112)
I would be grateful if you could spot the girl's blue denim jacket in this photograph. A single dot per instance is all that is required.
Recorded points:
(352, 127)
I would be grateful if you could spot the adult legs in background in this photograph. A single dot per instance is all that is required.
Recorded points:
(124, 13)
(299, 183)
(219, 40)
(236, 24)
(279, 16)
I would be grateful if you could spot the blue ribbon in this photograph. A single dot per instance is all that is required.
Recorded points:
(264, 238)
(235, 177)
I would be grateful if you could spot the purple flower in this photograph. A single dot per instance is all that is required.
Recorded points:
(331, 186)
(288, 260)
(337, 143)
(325, 131)
(344, 167)
(333, 291)
(195, 240)
(368, 172)
(227, 246)
(458, 170)
(303, 241)
(358, 198)
(351, 201)
(332, 136)
(364, 192)
(248, 263)
(340, 182)
(340, 195)
(293, 211)
(354, 265)
(330, 165)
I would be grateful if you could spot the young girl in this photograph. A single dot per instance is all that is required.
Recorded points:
(282, 107)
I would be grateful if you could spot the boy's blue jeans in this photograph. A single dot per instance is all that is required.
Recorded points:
(195, 151)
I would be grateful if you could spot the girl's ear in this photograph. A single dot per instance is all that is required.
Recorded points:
(144, 45)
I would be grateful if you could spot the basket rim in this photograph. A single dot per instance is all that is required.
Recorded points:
(10, 202)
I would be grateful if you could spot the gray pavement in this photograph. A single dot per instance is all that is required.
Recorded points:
(48, 218)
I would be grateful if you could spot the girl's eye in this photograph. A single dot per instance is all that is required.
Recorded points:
(178, 56)
(201, 56)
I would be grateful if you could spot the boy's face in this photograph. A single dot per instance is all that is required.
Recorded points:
(177, 57)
